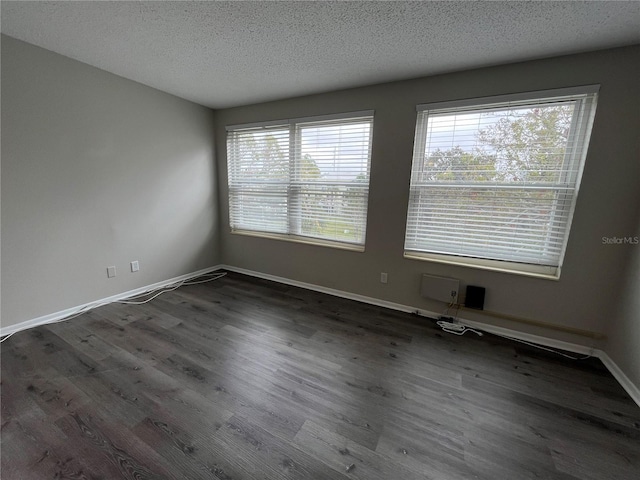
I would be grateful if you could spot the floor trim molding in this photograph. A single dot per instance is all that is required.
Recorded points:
(619, 375)
(54, 317)
(616, 371)
(631, 388)
(545, 341)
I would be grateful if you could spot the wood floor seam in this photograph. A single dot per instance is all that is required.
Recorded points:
(247, 379)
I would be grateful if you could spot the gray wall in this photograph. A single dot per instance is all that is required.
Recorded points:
(623, 345)
(96, 171)
(584, 296)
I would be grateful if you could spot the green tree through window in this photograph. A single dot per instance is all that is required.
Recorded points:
(498, 181)
(303, 179)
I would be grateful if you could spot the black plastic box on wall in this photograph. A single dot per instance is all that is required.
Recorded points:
(474, 297)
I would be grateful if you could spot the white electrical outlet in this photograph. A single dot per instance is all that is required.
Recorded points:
(383, 277)
(135, 266)
(111, 271)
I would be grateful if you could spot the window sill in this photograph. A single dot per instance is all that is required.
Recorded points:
(535, 271)
(299, 239)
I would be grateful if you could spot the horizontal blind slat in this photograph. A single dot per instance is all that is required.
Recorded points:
(309, 178)
(498, 181)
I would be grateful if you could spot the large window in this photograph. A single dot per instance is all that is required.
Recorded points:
(494, 181)
(303, 179)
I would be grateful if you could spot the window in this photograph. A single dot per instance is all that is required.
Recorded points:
(494, 181)
(303, 179)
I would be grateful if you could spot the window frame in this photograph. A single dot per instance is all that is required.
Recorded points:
(294, 187)
(587, 108)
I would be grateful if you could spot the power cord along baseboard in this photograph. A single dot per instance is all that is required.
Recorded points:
(447, 324)
(139, 299)
(450, 325)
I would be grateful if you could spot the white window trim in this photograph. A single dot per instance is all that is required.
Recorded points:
(319, 242)
(290, 121)
(290, 124)
(537, 271)
(484, 102)
(528, 270)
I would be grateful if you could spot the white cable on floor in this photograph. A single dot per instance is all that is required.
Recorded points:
(531, 344)
(154, 294)
(460, 329)
(456, 328)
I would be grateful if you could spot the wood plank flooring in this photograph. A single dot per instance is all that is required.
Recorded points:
(243, 378)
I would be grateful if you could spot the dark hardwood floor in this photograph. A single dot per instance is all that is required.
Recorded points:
(243, 378)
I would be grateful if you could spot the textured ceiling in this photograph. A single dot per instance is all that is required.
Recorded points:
(223, 54)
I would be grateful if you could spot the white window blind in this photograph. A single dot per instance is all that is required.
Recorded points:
(496, 180)
(306, 178)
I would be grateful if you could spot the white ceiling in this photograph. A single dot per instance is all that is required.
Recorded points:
(223, 54)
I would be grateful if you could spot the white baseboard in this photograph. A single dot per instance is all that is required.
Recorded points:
(528, 337)
(321, 289)
(54, 317)
(631, 388)
(619, 375)
(545, 341)
(627, 384)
